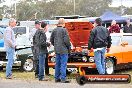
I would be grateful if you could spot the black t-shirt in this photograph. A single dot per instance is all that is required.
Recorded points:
(127, 29)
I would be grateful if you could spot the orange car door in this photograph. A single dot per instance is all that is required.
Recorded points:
(116, 48)
(127, 48)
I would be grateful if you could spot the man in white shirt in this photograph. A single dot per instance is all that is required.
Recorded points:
(10, 45)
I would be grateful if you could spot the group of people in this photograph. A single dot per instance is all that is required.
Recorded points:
(59, 39)
(99, 43)
(114, 28)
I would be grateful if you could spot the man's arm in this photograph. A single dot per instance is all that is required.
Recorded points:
(66, 39)
(109, 42)
(91, 40)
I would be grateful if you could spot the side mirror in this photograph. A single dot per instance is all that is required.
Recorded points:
(124, 44)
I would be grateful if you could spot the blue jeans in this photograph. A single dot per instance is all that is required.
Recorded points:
(99, 56)
(60, 66)
(42, 57)
(10, 56)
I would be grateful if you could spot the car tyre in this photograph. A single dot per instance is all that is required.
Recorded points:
(81, 80)
(28, 65)
(110, 66)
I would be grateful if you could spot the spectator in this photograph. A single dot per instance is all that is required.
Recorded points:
(41, 44)
(34, 49)
(60, 41)
(10, 45)
(114, 28)
(46, 59)
(128, 27)
(99, 40)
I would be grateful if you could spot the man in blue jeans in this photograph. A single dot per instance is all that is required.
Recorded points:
(41, 44)
(60, 41)
(100, 41)
(10, 44)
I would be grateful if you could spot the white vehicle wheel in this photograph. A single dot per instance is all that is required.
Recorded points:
(110, 66)
(28, 65)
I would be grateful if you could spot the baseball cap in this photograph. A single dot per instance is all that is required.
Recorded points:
(37, 22)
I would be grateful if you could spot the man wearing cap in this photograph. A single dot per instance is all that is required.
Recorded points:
(41, 44)
(34, 49)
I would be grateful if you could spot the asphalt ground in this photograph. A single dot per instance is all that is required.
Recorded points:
(27, 80)
(15, 83)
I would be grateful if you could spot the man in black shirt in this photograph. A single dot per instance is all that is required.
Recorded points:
(100, 41)
(128, 27)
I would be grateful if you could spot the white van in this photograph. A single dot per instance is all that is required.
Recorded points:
(22, 37)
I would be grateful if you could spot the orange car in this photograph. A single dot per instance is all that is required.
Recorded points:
(119, 55)
(79, 33)
(120, 52)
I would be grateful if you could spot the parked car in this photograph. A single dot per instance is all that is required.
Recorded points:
(120, 53)
(22, 58)
(79, 33)
(119, 56)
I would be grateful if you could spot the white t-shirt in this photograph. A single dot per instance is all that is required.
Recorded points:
(48, 34)
(98, 49)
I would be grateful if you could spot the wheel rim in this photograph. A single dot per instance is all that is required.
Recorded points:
(28, 65)
(109, 67)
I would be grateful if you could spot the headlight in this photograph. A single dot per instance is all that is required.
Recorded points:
(84, 58)
(52, 59)
(84, 52)
(52, 54)
(91, 59)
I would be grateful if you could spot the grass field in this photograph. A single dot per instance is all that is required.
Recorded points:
(30, 75)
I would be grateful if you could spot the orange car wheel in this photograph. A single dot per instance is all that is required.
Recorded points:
(110, 67)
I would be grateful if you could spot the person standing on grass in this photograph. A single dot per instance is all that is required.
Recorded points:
(46, 60)
(10, 45)
(60, 40)
(34, 49)
(41, 44)
(100, 41)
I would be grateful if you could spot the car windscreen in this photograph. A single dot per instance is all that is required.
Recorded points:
(19, 30)
(115, 40)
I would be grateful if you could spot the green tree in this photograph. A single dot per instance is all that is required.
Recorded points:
(46, 9)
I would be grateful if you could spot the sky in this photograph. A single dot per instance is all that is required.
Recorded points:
(115, 3)
(8, 2)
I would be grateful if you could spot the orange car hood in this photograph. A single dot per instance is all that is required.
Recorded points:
(79, 32)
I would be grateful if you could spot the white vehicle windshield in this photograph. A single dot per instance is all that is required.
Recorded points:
(19, 30)
(115, 40)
